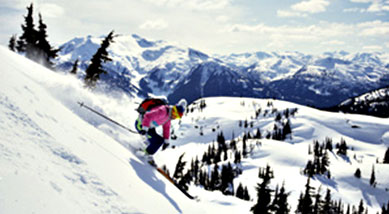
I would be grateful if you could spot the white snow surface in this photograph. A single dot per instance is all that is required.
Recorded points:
(56, 157)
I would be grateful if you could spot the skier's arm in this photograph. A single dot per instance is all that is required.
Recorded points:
(166, 130)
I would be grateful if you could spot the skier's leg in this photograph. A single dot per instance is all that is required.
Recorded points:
(155, 141)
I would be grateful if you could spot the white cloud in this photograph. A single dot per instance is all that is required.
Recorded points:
(158, 24)
(222, 19)
(374, 28)
(372, 48)
(333, 42)
(311, 6)
(354, 9)
(303, 8)
(193, 4)
(288, 13)
(375, 5)
(16, 4)
(51, 10)
(361, 1)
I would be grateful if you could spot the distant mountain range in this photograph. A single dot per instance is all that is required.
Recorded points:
(142, 67)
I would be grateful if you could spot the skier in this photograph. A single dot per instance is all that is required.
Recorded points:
(160, 115)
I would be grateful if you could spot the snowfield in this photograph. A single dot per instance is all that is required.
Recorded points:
(56, 157)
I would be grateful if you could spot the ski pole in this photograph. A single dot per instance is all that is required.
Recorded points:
(105, 117)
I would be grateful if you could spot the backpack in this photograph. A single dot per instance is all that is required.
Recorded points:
(149, 104)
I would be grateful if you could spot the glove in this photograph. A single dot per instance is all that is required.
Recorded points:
(165, 145)
(143, 131)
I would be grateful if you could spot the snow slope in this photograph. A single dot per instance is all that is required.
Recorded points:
(58, 158)
(366, 137)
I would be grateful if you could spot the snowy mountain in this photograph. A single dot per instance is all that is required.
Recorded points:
(374, 103)
(56, 157)
(143, 67)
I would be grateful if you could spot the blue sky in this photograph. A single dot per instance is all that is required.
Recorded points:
(215, 26)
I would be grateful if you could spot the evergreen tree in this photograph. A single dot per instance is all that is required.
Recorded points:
(325, 163)
(195, 170)
(309, 169)
(327, 204)
(238, 157)
(281, 205)
(361, 208)
(386, 158)
(258, 135)
(27, 41)
(227, 177)
(263, 204)
(178, 172)
(215, 181)
(305, 204)
(385, 210)
(244, 149)
(286, 130)
(45, 52)
(342, 147)
(357, 173)
(95, 68)
(318, 206)
(240, 191)
(246, 194)
(328, 143)
(372, 178)
(12, 43)
(74, 67)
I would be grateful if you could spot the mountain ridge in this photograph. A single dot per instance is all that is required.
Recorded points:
(161, 68)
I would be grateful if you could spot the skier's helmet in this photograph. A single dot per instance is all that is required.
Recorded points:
(179, 109)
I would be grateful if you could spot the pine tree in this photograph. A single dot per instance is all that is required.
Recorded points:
(74, 67)
(240, 191)
(244, 149)
(95, 69)
(342, 148)
(372, 178)
(357, 173)
(27, 41)
(327, 205)
(385, 210)
(263, 195)
(258, 135)
(227, 177)
(325, 162)
(318, 207)
(361, 208)
(215, 181)
(281, 205)
(178, 172)
(238, 157)
(12, 43)
(246, 194)
(305, 204)
(386, 158)
(45, 52)
(286, 130)
(328, 143)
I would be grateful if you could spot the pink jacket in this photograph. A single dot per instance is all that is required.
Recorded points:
(157, 117)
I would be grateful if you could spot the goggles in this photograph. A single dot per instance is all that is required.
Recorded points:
(176, 114)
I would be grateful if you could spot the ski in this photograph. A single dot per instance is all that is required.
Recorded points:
(171, 180)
